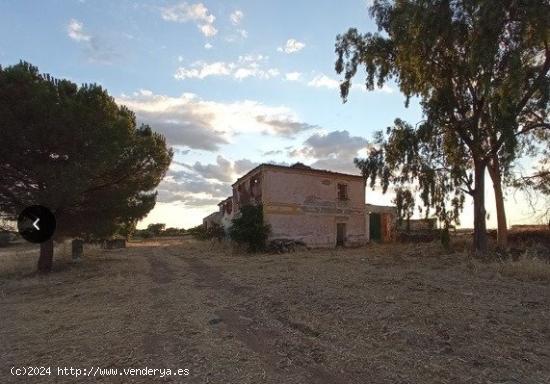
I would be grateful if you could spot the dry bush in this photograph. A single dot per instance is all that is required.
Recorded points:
(525, 269)
(528, 267)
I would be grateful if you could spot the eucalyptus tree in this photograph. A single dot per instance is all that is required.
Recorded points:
(412, 161)
(481, 72)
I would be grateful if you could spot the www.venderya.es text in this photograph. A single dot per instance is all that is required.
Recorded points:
(97, 371)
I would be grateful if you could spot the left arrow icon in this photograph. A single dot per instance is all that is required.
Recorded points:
(36, 223)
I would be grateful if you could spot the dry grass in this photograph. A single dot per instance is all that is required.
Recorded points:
(525, 269)
(402, 313)
(20, 260)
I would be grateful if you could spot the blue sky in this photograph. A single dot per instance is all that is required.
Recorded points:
(229, 83)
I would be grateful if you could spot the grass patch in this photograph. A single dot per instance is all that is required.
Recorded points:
(525, 269)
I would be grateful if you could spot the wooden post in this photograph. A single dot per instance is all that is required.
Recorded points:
(77, 249)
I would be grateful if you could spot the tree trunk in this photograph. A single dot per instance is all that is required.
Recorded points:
(46, 257)
(502, 231)
(480, 227)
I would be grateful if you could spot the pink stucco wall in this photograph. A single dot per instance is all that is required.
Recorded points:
(304, 205)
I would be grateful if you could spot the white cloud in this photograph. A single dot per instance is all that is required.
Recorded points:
(243, 166)
(285, 126)
(293, 76)
(250, 58)
(323, 81)
(208, 46)
(190, 189)
(237, 35)
(201, 70)
(208, 30)
(192, 122)
(335, 143)
(224, 170)
(334, 150)
(243, 73)
(201, 184)
(198, 13)
(236, 17)
(254, 71)
(75, 30)
(273, 72)
(384, 89)
(96, 50)
(246, 66)
(143, 92)
(292, 46)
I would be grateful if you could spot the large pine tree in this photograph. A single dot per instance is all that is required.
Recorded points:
(75, 151)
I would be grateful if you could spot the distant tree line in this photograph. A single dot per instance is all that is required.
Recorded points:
(158, 230)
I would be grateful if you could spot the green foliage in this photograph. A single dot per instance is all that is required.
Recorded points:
(198, 232)
(156, 229)
(249, 228)
(482, 75)
(173, 232)
(126, 229)
(143, 234)
(214, 231)
(75, 151)
(404, 202)
(409, 158)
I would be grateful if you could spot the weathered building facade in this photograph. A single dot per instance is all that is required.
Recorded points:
(227, 212)
(320, 208)
(380, 222)
(212, 219)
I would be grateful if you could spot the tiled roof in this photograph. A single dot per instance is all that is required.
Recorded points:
(298, 167)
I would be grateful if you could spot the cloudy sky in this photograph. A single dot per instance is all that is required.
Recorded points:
(229, 83)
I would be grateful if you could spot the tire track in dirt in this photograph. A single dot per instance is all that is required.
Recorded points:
(258, 339)
(155, 343)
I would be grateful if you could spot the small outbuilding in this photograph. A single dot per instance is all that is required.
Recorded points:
(212, 219)
(380, 222)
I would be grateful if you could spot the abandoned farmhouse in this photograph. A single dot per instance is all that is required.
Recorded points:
(318, 207)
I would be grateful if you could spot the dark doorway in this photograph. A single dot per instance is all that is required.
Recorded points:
(375, 227)
(340, 233)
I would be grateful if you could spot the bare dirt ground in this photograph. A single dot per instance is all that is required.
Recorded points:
(380, 314)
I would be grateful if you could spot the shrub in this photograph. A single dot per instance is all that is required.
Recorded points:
(249, 228)
(200, 232)
(143, 234)
(173, 232)
(215, 231)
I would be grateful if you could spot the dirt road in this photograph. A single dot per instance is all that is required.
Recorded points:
(353, 316)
